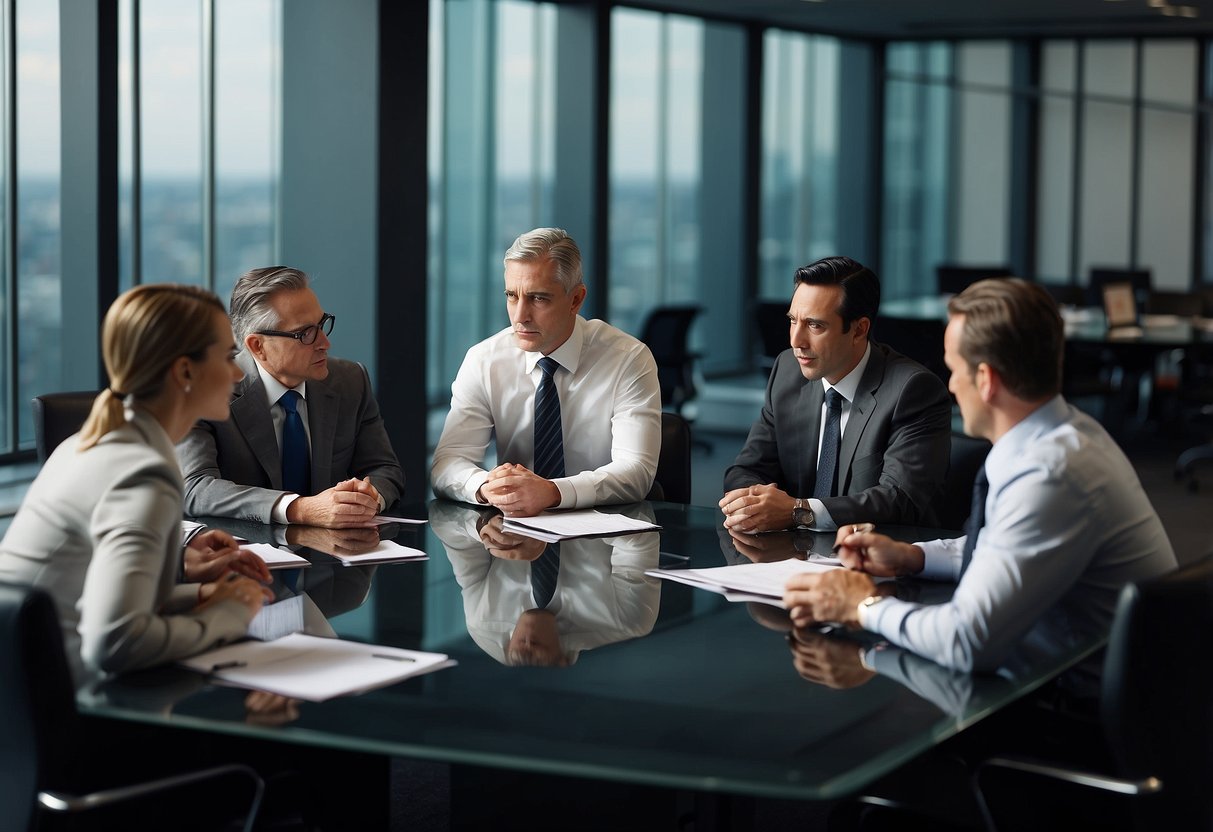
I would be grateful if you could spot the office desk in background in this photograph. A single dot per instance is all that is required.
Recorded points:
(681, 691)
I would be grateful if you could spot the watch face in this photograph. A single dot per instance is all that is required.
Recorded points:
(802, 516)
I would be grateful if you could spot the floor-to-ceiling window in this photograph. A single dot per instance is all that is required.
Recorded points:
(800, 175)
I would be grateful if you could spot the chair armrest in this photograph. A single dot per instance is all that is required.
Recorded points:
(62, 802)
(1147, 785)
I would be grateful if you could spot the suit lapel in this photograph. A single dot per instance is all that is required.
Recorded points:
(811, 396)
(322, 425)
(861, 411)
(252, 417)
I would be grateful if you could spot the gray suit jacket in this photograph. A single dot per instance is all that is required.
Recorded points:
(101, 532)
(895, 450)
(234, 468)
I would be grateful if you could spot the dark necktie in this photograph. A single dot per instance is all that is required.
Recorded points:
(977, 517)
(549, 438)
(545, 570)
(831, 438)
(296, 468)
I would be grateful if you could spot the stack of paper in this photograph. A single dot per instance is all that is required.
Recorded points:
(553, 526)
(276, 558)
(762, 582)
(311, 668)
(388, 551)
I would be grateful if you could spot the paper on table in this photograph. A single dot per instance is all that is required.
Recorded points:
(747, 582)
(382, 519)
(278, 619)
(388, 551)
(553, 526)
(276, 558)
(311, 668)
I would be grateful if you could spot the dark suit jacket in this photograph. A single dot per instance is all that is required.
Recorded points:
(234, 468)
(895, 450)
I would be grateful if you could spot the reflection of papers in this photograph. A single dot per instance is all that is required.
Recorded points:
(311, 668)
(388, 551)
(277, 620)
(583, 523)
(383, 519)
(762, 582)
(276, 558)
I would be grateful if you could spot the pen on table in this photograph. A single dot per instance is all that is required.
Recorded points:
(393, 658)
(226, 666)
(855, 529)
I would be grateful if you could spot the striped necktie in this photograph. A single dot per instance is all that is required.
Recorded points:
(549, 437)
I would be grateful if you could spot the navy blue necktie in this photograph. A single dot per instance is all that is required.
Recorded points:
(549, 437)
(827, 460)
(545, 570)
(977, 517)
(296, 467)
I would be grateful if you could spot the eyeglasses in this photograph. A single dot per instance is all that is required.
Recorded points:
(307, 335)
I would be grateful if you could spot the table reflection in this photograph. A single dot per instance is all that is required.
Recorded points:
(600, 594)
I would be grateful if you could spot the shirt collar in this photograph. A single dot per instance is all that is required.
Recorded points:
(1040, 421)
(274, 388)
(567, 355)
(848, 385)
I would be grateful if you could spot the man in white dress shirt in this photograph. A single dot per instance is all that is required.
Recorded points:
(609, 399)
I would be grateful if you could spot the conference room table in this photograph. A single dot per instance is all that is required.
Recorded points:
(653, 685)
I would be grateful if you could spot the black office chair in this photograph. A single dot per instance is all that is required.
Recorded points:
(1156, 709)
(771, 322)
(951, 279)
(673, 481)
(41, 746)
(918, 338)
(57, 416)
(666, 332)
(968, 455)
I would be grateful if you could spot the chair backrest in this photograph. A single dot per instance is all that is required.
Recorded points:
(1100, 276)
(968, 455)
(673, 481)
(666, 332)
(919, 339)
(37, 701)
(952, 279)
(771, 320)
(57, 416)
(1157, 689)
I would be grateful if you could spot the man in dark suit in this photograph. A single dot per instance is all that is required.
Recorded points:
(305, 443)
(850, 429)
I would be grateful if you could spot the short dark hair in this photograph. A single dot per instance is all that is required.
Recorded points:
(1013, 326)
(860, 286)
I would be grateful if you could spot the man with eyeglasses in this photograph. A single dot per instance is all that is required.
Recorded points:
(306, 443)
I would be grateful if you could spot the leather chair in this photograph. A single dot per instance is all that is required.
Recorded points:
(952, 280)
(666, 333)
(42, 753)
(771, 322)
(968, 455)
(57, 416)
(1156, 709)
(673, 481)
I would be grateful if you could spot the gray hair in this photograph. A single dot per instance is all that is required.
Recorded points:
(250, 308)
(549, 243)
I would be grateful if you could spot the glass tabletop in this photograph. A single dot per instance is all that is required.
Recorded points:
(622, 676)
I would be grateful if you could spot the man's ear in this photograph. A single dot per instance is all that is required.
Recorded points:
(578, 297)
(255, 344)
(862, 326)
(988, 382)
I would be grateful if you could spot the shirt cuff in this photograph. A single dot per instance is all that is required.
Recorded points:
(278, 512)
(941, 559)
(472, 485)
(822, 521)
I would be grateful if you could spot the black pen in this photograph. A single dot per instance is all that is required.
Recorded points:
(393, 658)
(226, 665)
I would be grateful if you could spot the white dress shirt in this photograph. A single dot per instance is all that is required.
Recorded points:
(273, 392)
(1066, 518)
(847, 387)
(610, 409)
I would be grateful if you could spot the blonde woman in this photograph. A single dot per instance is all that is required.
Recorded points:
(100, 528)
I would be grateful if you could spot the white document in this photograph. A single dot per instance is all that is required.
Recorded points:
(278, 619)
(383, 519)
(559, 525)
(276, 558)
(388, 551)
(748, 581)
(311, 668)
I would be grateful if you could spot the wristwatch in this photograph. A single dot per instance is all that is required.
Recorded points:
(867, 603)
(802, 515)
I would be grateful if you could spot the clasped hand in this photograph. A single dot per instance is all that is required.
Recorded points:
(756, 508)
(519, 492)
(349, 504)
(507, 545)
(213, 553)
